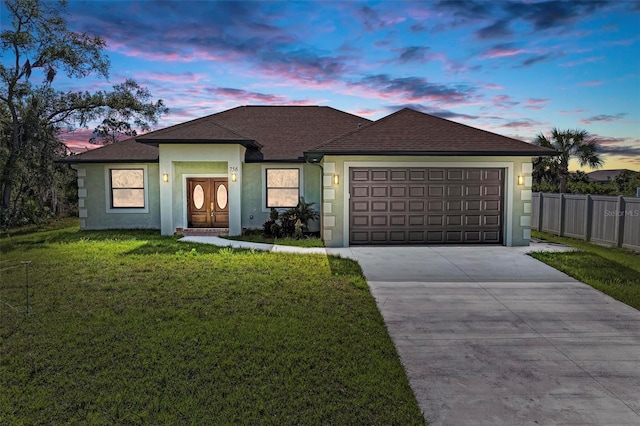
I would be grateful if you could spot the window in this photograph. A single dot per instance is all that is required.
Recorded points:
(127, 188)
(283, 187)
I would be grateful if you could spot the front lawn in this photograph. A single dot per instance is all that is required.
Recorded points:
(613, 271)
(132, 327)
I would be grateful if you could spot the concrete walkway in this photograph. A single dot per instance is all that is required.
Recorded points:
(490, 336)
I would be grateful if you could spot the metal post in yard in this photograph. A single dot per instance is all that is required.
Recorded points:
(26, 268)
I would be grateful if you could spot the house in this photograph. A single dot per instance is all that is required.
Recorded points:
(408, 178)
(604, 176)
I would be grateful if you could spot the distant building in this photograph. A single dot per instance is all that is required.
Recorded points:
(603, 176)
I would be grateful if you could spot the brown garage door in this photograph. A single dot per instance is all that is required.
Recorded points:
(425, 205)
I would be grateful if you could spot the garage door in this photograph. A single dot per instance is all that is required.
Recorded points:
(425, 205)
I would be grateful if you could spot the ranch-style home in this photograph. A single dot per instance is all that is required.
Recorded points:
(408, 178)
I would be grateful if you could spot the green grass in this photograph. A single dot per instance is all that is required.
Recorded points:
(257, 237)
(613, 271)
(131, 327)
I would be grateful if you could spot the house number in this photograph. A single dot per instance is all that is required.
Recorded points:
(233, 169)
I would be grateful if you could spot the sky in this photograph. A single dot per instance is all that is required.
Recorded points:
(517, 68)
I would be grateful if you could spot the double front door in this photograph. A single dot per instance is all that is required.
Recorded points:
(208, 203)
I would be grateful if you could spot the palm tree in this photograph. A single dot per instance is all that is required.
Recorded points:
(569, 143)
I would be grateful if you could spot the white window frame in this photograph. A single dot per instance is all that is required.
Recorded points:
(264, 183)
(107, 187)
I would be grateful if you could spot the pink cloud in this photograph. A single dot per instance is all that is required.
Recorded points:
(533, 103)
(167, 77)
(498, 52)
(493, 87)
(582, 61)
(575, 111)
(592, 83)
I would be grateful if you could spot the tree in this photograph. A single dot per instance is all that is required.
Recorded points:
(570, 144)
(34, 115)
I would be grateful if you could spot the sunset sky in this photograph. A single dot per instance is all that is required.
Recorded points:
(515, 68)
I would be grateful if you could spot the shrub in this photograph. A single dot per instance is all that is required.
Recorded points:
(293, 222)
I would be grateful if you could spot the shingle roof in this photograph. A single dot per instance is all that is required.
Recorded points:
(605, 175)
(126, 151)
(278, 132)
(411, 132)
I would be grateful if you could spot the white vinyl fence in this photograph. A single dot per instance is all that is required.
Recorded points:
(613, 221)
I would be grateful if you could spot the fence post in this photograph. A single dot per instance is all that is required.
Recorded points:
(561, 216)
(589, 218)
(619, 229)
(540, 211)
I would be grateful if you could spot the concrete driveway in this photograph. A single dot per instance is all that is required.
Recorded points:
(491, 336)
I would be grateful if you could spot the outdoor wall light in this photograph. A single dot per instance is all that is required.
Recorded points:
(234, 176)
(165, 177)
(336, 179)
(520, 180)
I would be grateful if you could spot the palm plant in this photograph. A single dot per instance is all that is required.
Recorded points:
(569, 143)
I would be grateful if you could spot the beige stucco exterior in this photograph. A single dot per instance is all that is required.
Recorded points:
(94, 203)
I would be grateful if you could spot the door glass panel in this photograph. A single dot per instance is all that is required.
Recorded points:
(221, 196)
(198, 197)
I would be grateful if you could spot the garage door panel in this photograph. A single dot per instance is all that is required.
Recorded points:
(455, 191)
(358, 221)
(435, 220)
(436, 174)
(473, 174)
(417, 175)
(379, 221)
(416, 191)
(379, 191)
(455, 174)
(435, 206)
(493, 175)
(398, 206)
(360, 206)
(379, 206)
(360, 191)
(360, 175)
(398, 191)
(398, 220)
(492, 190)
(454, 220)
(415, 220)
(380, 175)
(399, 174)
(491, 205)
(435, 191)
(426, 205)
(491, 237)
(416, 206)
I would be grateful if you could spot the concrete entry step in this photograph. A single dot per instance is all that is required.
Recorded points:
(202, 232)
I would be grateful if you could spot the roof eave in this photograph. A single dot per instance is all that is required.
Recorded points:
(71, 160)
(247, 143)
(435, 153)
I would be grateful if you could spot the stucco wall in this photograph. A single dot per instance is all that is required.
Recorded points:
(517, 199)
(254, 211)
(93, 199)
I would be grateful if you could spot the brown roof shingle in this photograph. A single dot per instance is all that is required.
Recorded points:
(279, 132)
(411, 132)
(126, 151)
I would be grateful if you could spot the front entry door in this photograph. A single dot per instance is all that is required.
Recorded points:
(208, 203)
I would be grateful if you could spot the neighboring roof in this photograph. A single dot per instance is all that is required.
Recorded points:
(409, 132)
(605, 175)
(271, 133)
(126, 151)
